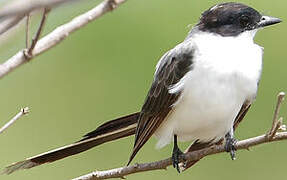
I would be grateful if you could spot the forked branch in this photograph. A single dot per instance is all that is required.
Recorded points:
(58, 35)
(276, 123)
(28, 52)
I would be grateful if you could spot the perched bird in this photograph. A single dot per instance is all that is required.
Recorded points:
(202, 89)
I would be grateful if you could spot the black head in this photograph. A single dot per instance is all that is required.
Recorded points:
(231, 19)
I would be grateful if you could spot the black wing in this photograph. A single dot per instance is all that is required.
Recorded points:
(244, 109)
(158, 104)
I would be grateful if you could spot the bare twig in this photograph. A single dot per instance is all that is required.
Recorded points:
(22, 112)
(163, 164)
(27, 30)
(10, 22)
(279, 124)
(58, 35)
(38, 33)
(20, 7)
(276, 123)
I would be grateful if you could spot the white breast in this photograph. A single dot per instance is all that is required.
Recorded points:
(225, 74)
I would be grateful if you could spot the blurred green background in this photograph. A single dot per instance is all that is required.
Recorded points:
(104, 71)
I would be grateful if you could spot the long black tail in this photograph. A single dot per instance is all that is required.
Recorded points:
(109, 131)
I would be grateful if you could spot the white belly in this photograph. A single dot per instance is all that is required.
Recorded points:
(213, 93)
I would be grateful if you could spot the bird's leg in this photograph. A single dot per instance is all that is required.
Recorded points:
(176, 154)
(230, 142)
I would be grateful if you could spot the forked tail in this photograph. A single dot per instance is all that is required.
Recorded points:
(109, 131)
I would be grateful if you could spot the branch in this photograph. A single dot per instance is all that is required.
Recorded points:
(194, 156)
(20, 7)
(22, 112)
(58, 35)
(190, 156)
(9, 23)
(12, 13)
(27, 30)
(276, 123)
(28, 53)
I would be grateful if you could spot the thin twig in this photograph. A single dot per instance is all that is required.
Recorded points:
(38, 33)
(276, 123)
(58, 35)
(22, 112)
(163, 164)
(27, 30)
(277, 127)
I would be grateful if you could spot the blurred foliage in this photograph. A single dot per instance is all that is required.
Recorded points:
(104, 71)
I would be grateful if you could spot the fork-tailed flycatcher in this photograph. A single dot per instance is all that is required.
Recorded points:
(202, 88)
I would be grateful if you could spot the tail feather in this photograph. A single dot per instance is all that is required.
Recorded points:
(113, 125)
(112, 130)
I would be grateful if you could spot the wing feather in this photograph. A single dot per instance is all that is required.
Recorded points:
(158, 104)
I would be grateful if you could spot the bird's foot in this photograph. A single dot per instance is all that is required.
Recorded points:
(230, 146)
(177, 155)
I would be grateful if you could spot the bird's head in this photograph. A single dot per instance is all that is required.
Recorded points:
(232, 19)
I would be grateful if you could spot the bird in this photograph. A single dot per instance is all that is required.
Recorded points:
(202, 89)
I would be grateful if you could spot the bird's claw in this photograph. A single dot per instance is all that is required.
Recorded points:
(176, 157)
(230, 147)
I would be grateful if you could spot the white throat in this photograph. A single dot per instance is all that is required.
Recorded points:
(241, 39)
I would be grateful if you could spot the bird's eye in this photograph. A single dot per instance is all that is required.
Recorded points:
(244, 21)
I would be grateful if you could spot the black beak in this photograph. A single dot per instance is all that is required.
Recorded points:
(267, 21)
